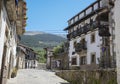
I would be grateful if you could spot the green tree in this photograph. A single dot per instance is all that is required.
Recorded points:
(41, 54)
(58, 49)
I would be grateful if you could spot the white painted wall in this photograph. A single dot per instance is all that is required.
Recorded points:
(2, 34)
(117, 37)
(11, 46)
(91, 48)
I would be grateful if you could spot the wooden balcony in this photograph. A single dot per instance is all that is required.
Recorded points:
(112, 2)
(21, 19)
(74, 34)
(69, 36)
(86, 13)
(81, 47)
(83, 30)
(104, 29)
(24, 4)
(11, 6)
(88, 27)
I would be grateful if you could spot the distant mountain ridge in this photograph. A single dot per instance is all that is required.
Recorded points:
(33, 32)
(37, 39)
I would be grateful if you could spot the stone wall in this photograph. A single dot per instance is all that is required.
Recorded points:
(64, 61)
(85, 67)
(89, 77)
(41, 66)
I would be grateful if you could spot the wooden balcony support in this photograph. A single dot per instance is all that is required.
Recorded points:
(86, 28)
(11, 9)
(21, 20)
(82, 46)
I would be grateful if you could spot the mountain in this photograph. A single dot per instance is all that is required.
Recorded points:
(61, 35)
(37, 39)
(33, 32)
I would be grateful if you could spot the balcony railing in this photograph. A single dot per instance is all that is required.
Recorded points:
(21, 18)
(11, 9)
(104, 29)
(81, 47)
(86, 28)
(89, 11)
(112, 2)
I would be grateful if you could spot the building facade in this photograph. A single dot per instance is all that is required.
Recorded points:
(49, 54)
(12, 24)
(91, 37)
(21, 52)
(117, 36)
(60, 59)
(57, 58)
(27, 58)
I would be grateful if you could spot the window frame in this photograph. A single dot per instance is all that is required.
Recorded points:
(74, 43)
(92, 38)
(93, 58)
(83, 60)
(74, 61)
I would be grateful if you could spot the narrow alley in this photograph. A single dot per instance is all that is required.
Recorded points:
(34, 76)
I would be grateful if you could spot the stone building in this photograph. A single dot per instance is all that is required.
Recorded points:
(91, 37)
(12, 24)
(60, 60)
(117, 36)
(27, 57)
(21, 52)
(49, 54)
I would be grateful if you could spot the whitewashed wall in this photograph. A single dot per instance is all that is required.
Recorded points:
(91, 48)
(12, 44)
(2, 34)
(117, 37)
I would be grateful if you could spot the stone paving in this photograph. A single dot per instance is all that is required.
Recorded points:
(34, 76)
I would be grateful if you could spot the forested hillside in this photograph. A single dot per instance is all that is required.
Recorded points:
(41, 40)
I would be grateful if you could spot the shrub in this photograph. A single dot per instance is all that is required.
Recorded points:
(14, 73)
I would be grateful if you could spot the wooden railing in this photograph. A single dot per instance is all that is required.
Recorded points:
(86, 28)
(80, 46)
(93, 7)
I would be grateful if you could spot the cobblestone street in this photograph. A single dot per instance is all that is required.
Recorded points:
(34, 76)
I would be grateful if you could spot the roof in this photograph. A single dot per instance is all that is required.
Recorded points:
(29, 48)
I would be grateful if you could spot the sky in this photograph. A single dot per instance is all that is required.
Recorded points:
(51, 16)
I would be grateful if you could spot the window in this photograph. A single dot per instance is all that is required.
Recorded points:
(73, 53)
(83, 60)
(76, 18)
(76, 27)
(92, 38)
(82, 40)
(93, 58)
(91, 21)
(69, 23)
(7, 32)
(72, 21)
(74, 61)
(75, 44)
